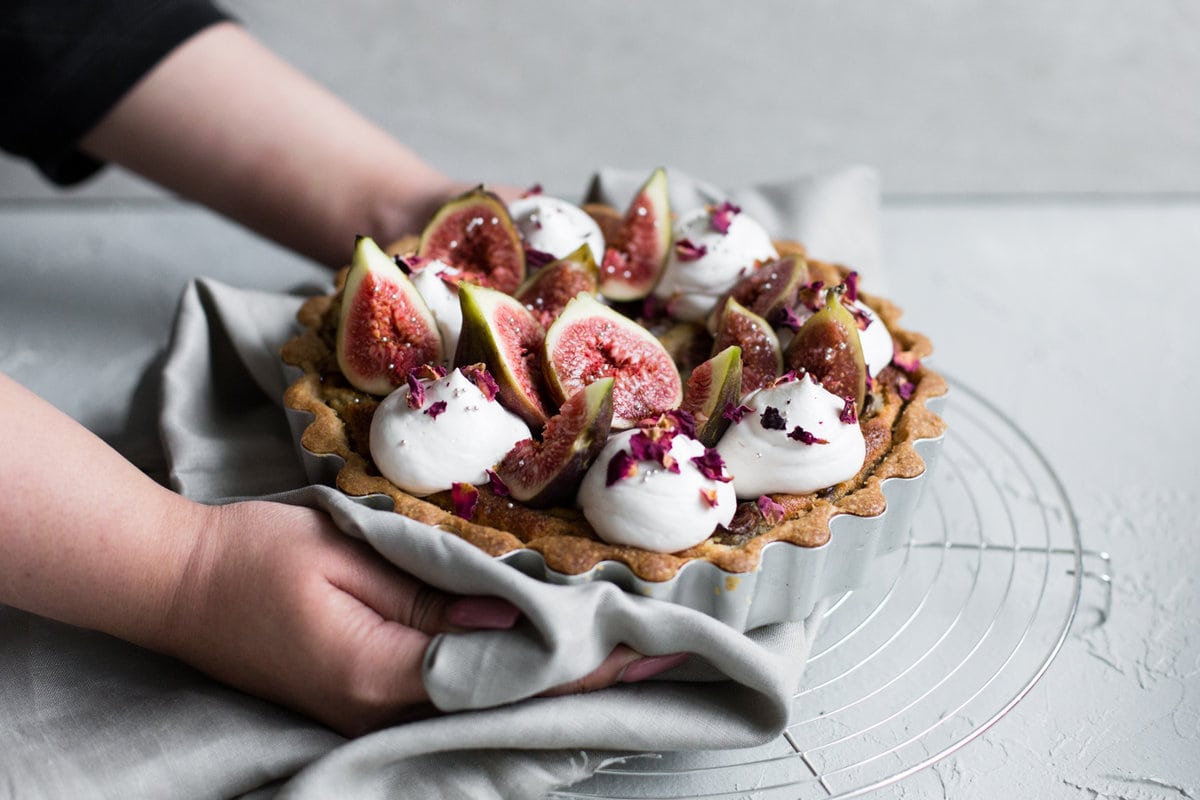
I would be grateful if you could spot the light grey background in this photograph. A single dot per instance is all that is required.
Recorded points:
(1041, 169)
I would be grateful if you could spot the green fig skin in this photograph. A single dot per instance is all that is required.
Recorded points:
(501, 333)
(547, 292)
(475, 233)
(828, 348)
(570, 443)
(633, 263)
(762, 359)
(712, 385)
(385, 329)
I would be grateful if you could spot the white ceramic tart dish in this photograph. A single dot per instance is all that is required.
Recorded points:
(770, 558)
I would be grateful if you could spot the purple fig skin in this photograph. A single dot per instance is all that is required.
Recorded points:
(547, 292)
(384, 330)
(828, 348)
(634, 261)
(474, 233)
(501, 333)
(711, 386)
(767, 291)
(589, 341)
(762, 359)
(548, 473)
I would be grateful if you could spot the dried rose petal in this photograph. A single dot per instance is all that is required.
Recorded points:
(801, 435)
(683, 421)
(906, 362)
(814, 298)
(436, 409)
(712, 466)
(536, 189)
(483, 380)
(722, 216)
(849, 413)
(906, 389)
(786, 377)
(622, 466)
(428, 372)
(771, 511)
(852, 286)
(735, 413)
(450, 276)
(654, 444)
(772, 420)
(416, 391)
(687, 250)
(538, 258)
(861, 318)
(499, 487)
(789, 319)
(465, 497)
(709, 497)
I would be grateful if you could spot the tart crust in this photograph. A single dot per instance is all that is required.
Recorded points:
(341, 420)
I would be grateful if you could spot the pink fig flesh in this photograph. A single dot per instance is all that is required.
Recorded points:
(501, 333)
(385, 330)
(548, 473)
(712, 385)
(475, 234)
(547, 292)
(590, 341)
(762, 360)
(635, 259)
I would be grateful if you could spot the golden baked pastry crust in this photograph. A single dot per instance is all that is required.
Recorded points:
(341, 423)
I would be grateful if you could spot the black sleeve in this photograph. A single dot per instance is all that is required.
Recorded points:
(65, 63)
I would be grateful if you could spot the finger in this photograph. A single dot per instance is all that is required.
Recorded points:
(623, 665)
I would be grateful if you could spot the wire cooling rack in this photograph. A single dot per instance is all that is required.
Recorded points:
(954, 631)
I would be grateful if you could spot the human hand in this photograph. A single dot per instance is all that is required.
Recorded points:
(279, 603)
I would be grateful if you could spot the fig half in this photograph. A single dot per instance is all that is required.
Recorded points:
(500, 332)
(548, 473)
(768, 290)
(474, 233)
(638, 249)
(590, 341)
(547, 292)
(828, 348)
(384, 330)
(762, 360)
(712, 386)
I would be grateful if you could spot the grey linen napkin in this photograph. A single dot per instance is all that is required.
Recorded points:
(127, 723)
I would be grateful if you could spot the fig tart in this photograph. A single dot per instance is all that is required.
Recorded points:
(630, 391)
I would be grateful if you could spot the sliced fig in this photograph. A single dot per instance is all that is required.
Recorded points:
(828, 348)
(711, 386)
(768, 290)
(384, 327)
(762, 360)
(501, 333)
(638, 249)
(547, 292)
(590, 341)
(474, 233)
(548, 473)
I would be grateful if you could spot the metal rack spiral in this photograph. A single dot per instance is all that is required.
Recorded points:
(954, 631)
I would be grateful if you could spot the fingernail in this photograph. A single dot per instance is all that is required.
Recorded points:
(483, 613)
(650, 666)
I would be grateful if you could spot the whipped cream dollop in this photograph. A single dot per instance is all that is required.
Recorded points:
(642, 503)
(713, 249)
(453, 434)
(442, 299)
(793, 437)
(555, 226)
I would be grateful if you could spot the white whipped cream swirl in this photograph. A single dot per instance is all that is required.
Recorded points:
(695, 277)
(555, 226)
(655, 509)
(764, 460)
(442, 300)
(428, 449)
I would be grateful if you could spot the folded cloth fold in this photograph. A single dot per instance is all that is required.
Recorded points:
(227, 437)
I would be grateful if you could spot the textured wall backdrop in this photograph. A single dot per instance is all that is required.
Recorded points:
(943, 97)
